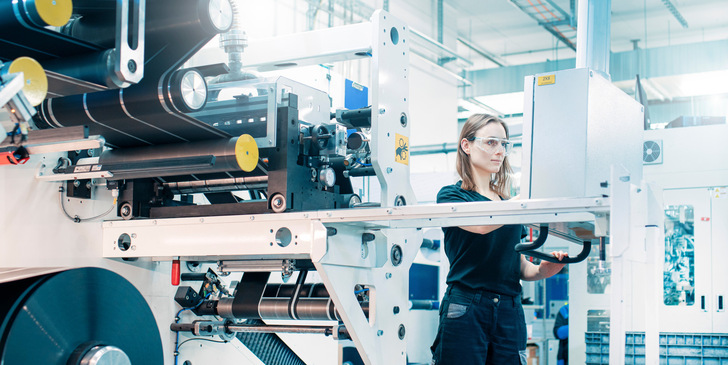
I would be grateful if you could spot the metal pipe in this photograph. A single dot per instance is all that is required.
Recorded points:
(280, 329)
(440, 46)
(218, 185)
(169, 160)
(593, 36)
(314, 309)
(207, 328)
(443, 69)
(489, 56)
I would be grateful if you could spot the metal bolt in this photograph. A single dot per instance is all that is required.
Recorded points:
(88, 185)
(131, 65)
(76, 183)
(381, 110)
(125, 210)
(395, 310)
(523, 205)
(380, 333)
(388, 275)
(133, 247)
(90, 152)
(252, 218)
(202, 220)
(133, 235)
(389, 170)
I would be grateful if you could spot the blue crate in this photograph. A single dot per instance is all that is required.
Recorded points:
(675, 348)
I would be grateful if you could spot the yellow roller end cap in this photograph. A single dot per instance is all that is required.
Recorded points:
(35, 86)
(246, 152)
(54, 12)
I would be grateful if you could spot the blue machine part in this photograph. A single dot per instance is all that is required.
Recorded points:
(423, 282)
(355, 95)
(557, 289)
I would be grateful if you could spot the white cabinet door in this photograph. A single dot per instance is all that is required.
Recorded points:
(687, 282)
(719, 224)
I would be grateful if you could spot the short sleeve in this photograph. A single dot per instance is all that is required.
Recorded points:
(451, 194)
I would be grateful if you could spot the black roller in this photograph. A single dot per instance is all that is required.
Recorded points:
(57, 319)
(145, 113)
(22, 33)
(188, 90)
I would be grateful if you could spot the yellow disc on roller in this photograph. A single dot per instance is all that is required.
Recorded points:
(54, 12)
(246, 152)
(35, 85)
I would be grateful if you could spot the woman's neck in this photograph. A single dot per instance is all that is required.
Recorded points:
(483, 188)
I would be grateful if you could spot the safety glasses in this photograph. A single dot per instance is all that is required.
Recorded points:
(492, 145)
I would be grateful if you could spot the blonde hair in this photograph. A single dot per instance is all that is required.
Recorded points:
(501, 184)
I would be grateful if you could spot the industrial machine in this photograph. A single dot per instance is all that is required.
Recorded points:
(235, 216)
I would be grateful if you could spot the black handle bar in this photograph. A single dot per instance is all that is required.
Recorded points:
(529, 249)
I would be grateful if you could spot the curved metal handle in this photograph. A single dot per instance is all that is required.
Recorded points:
(530, 249)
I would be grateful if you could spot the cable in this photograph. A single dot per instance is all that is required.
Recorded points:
(199, 339)
(78, 219)
(176, 320)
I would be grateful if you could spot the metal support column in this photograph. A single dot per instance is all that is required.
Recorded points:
(593, 36)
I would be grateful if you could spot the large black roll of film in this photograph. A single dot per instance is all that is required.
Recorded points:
(23, 31)
(76, 315)
(151, 112)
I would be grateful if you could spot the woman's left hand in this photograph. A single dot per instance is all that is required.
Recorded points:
(548, 269)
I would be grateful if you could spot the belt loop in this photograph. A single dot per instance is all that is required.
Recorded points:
(477, 297)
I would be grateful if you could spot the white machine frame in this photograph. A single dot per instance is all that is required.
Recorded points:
(340, 259)
(332, 239)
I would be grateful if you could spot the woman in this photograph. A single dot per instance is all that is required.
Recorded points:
(481, 318)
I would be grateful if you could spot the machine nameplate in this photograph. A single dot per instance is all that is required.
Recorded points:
(546, 80)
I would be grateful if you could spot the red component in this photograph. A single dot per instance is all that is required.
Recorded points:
(17, 157)
(705, 219)
(175, 272)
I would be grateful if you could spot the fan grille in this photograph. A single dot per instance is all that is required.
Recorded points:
(651, 152)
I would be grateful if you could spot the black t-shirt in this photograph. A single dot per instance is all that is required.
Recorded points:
(481, 261)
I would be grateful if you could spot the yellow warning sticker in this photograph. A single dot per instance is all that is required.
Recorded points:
(546, 80)
(401, 144)
(719, 193)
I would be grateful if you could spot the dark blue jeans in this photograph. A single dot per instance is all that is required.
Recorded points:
(480, 327)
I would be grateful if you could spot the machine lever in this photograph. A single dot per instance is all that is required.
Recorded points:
(175, 272)
(529, 249)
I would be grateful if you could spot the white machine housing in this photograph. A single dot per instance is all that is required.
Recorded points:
(571, 120)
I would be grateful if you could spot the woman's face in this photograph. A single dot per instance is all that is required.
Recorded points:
(481, 160)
